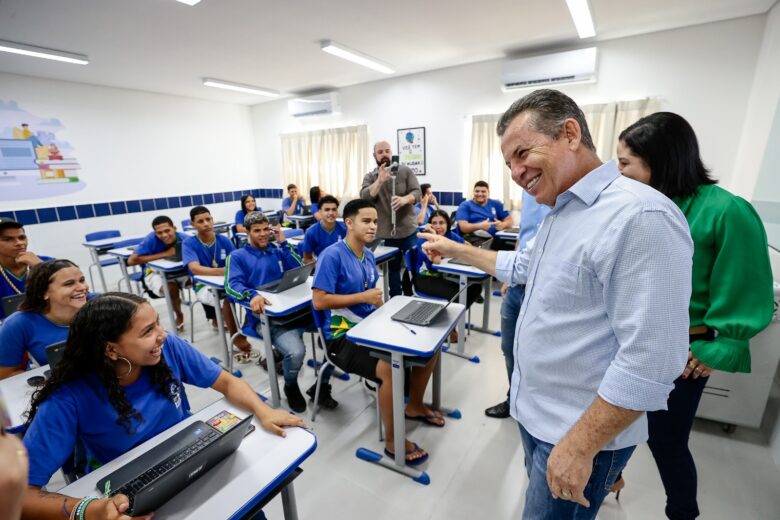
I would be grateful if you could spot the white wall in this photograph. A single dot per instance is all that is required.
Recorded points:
(703, 72)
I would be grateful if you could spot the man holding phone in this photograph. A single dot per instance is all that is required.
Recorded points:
(394, 190)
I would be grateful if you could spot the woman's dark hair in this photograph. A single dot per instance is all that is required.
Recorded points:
(101, 320)
(314, 194)
(243, 203)
(443, 214)
(668, 146)
(38, 280)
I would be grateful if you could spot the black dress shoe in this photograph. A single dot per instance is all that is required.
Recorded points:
(499, 411)
(326, 399)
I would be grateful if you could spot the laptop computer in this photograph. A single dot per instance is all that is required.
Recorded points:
(289, 279)
(11, 304)
(54, 353)
(422, 313)
(156, 476)
(273, 220)
(484, 245)
(177, 254)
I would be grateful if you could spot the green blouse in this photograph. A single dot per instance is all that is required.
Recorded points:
(732, 277)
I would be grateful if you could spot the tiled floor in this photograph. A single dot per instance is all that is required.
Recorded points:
(476, 465)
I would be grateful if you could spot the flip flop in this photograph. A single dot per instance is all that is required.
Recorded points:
(415, 462)
(427, 419)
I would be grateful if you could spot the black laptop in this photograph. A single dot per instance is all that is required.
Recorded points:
(289, 279)
(11, 304)
(177, 254)
(159, 474)
(54, 353)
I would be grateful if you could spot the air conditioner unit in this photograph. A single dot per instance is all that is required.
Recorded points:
(320, 104)
(550, 69)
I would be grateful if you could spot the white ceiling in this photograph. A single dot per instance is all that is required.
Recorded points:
(168, 47)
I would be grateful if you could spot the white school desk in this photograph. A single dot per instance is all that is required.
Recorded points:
(231, 488)
(17, 393)
(122, 254)
(398, 340)
(464, 272)
(99, 247)
(382, 256)
(282, 304)
(299, 219)
(216, 284)
(164, 268)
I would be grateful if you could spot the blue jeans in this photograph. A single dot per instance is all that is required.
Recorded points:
(289, 341)
(539, 502)
(397, 263)
(510, 310)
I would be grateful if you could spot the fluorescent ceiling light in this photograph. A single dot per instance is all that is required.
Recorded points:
(583, 21)
(354, 56)
(42, 52)
(188, 2)
(240, 87)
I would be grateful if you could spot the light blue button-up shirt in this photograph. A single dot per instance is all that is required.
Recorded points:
(608, 282)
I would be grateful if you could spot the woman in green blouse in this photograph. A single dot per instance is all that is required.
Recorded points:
(731, 298)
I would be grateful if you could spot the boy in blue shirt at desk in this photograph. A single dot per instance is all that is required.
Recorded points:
(479, 218)
(325, 232)
(294, 203)
(260, 262)
(345, 288)
(15, 259)
(160, 243)
(205, 254)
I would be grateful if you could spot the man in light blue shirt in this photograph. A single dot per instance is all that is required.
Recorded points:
(603, 331)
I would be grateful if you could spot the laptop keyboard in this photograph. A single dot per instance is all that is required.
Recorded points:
(141, 481)
(422, 312)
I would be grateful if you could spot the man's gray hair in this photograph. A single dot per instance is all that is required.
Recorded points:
(549, 110)
(254, 217)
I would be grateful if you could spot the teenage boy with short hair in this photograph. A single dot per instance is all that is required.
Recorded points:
(325, 232)
(345, 288)
(480, 217)
(15, 259)
(160, 243)
(260, 262)
(205, 254)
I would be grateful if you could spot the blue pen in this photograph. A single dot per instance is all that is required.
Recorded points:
(407, 328)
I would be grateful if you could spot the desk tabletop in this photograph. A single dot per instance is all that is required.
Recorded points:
(383, 253)
(211, 280)
(299, 217)
(121, 252)
(166, 265)
(107, 242)
(287, 302)
(17, 394)
(446, 267)
(380, 331)
(231, 487)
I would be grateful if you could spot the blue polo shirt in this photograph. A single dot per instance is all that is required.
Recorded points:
(287, 202)
(317, 238)
(474, 213)
(81, 409)
(314, 208)
(151, 245)
(250, 267)
(339, 271)
(428, 211)
(215, 255)
(28, 332)
(420, 261)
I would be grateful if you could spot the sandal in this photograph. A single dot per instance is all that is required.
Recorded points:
(431, 419)
(411, 462)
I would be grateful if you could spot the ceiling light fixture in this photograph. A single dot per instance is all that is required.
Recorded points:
(188, 2)
(583, 21)
(42, 52)
(354, 56)
(240, 87)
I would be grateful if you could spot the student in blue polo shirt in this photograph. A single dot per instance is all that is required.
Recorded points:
(15, 259)
(258, 263)
(205, 254)
(427, 205)
(294, 203)
(325, 232)
(248, 205)
(162, 242)
(479, 218)
(345, 289)
(56, 290)
(119, 383)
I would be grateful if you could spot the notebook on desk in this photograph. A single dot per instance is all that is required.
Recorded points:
(159, 474)
(290, 278)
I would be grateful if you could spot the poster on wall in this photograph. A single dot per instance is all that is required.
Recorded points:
(411, 149)
(34, 162)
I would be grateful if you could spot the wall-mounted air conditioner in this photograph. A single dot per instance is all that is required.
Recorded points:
(550, 69)
(320, 104)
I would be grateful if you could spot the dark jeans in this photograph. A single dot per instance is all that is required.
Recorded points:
(443, 288)
(510, 310)
(397, 263)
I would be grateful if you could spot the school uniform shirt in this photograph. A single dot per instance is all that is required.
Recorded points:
(287, 202)
(429, 209)
(317, 238)
(339, 271)
(421, 263)
(314, 208)
(215, 255)
(28, 332)
(474, 213)
(151, 245)
(249, 267)
(81, 409)
(12, 285)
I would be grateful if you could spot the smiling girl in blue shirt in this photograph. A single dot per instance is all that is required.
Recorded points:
(120, 383)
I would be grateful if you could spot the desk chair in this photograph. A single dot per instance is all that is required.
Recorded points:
(185, 223)
(99, 235)
(137, 275)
